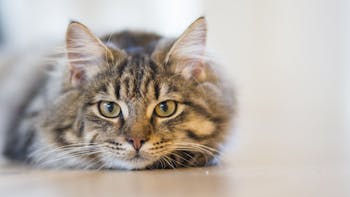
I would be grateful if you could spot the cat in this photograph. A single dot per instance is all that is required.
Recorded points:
(129, 100)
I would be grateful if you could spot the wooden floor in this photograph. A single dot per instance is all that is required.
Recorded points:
(234, 178)
(218, 181)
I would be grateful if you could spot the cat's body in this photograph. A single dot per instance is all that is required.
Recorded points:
(131, 100)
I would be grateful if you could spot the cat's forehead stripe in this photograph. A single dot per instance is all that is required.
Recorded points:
(156, 90)
(135, 78)
(117, 90)
(121, 67)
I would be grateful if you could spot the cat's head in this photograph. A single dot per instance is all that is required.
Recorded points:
(132, 110)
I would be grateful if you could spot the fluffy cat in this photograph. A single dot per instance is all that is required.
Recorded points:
(131, 100)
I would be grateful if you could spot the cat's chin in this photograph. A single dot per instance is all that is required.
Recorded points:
(130, 164)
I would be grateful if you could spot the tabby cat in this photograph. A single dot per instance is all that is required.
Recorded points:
(130, 100)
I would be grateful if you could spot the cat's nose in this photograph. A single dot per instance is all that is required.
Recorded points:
(136, 142)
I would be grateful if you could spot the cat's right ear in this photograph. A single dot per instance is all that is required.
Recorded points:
(85, 52)
(187, 55)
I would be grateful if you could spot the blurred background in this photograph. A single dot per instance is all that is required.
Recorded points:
(289, 61)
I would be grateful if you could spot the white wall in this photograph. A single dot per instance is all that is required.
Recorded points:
(290, 61)
(37, 21)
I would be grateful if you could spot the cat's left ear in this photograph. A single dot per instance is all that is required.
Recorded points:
(85, 52)
(187, 54)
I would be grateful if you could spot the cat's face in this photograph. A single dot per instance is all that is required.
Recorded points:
(145, 113)
(160, 109)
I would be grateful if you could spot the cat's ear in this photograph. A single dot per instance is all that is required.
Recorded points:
(85, 52)
(187, 54)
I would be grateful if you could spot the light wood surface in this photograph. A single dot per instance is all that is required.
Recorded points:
(242, 177)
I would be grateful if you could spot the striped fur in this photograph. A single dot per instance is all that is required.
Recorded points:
(64, 128)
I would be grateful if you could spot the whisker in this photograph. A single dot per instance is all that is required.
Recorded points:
(182, 164)
(59, 154)
(197, 145)
(194, 149)
(64, 151)
(48, 162)
(166, 159)
(53, 147)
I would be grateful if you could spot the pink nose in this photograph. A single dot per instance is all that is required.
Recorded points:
(136, 142)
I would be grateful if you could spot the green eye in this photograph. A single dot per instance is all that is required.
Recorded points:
(109, 109)
(166, 108)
